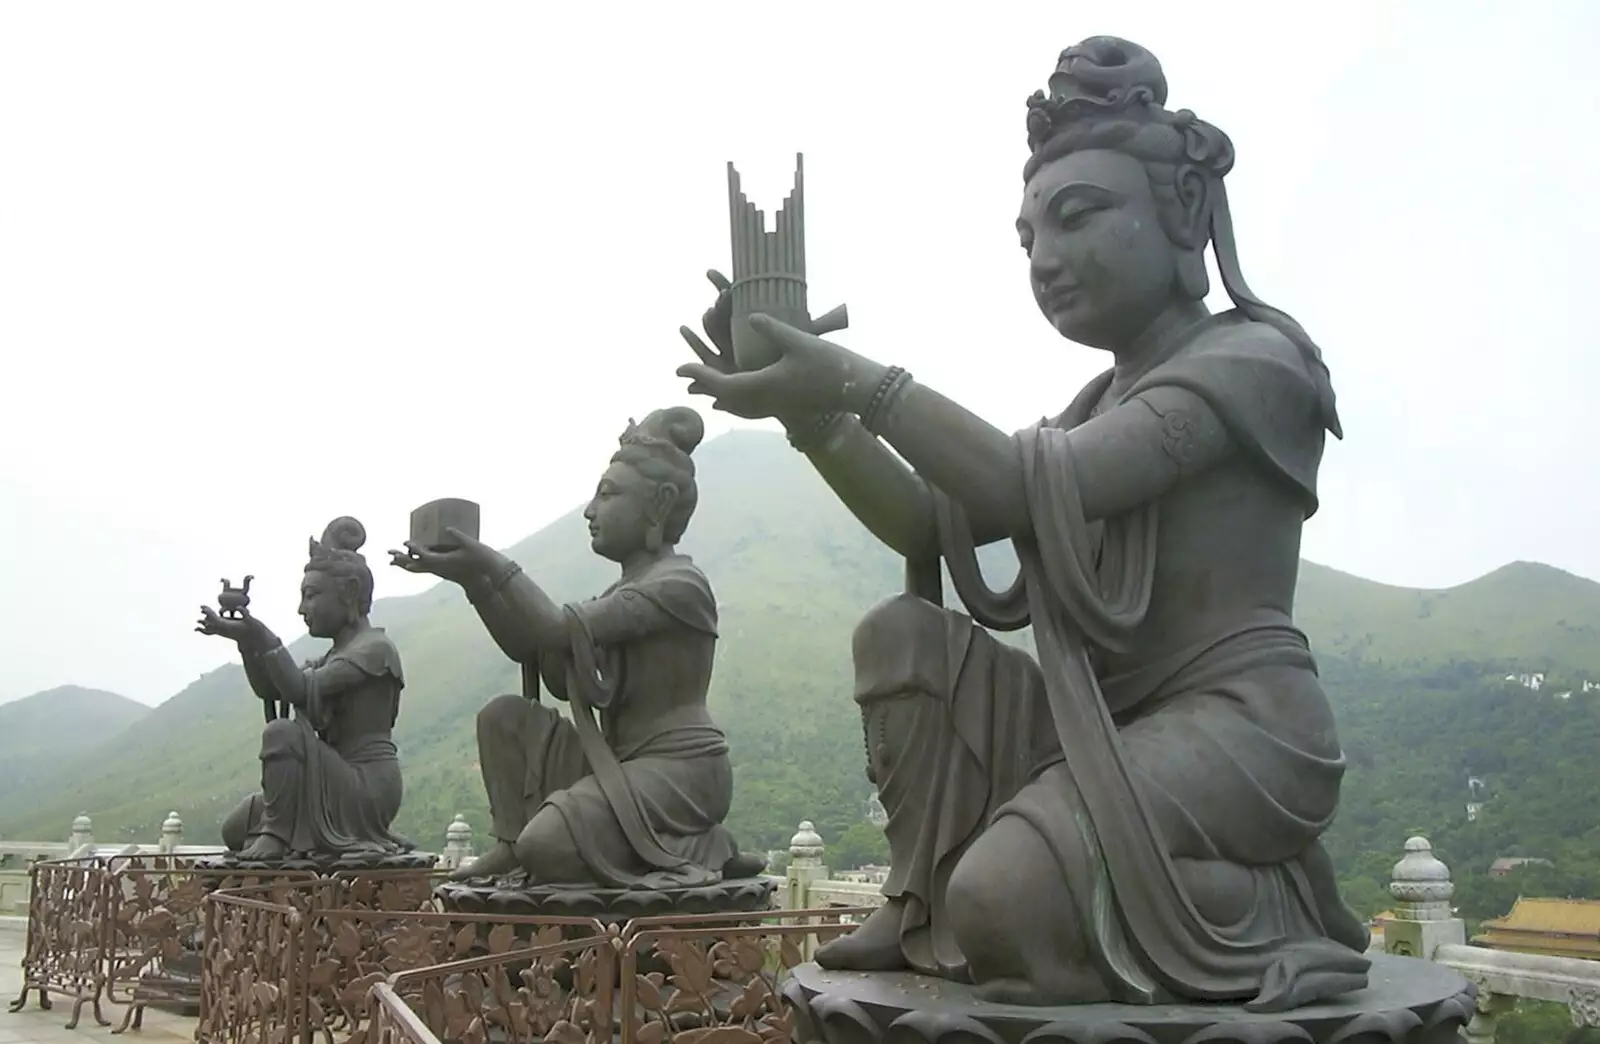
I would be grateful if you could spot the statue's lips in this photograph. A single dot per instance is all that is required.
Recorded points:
(1061, 298)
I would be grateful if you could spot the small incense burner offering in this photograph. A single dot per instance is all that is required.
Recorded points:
(233, 601)
(431, 523)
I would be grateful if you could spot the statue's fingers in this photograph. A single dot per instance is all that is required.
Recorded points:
(708, 377)
(719, 280)
(699, 347)
(466, 540)
(781, 333)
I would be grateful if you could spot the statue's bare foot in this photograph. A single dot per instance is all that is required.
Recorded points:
(263, 848)
(501, 859)
(874, 946)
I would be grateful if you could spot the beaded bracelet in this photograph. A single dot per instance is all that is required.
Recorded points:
(895, 380)
(814, 432)
(510, 570)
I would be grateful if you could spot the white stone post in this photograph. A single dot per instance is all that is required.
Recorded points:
(457, 843)
(805, 868)
(1424, 919)
(171, 833)
(82, 834)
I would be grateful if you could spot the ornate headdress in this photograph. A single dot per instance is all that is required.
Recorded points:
(659, 448)
(338, 554)
(1109, 93)
(669, 435)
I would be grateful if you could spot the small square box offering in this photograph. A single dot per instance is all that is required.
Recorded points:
(430, 522)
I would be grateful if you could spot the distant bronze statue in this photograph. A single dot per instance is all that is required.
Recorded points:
(631, 791)
(1136, 815)
(330, 779)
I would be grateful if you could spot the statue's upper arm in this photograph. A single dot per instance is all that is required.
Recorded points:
(1137, 450)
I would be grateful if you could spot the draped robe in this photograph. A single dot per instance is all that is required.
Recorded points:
(1119, 758)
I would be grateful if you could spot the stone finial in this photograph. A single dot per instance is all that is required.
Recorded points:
(806, 843)
(1420, 877)
(171, 832)
(457, 843)
(82, 834)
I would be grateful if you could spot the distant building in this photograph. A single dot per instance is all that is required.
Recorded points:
(1505, 864)
(1553, 927)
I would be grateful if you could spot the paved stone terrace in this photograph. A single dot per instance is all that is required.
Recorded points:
(32, 1026)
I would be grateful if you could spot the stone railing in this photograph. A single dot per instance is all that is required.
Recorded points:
(17, 857)
(806, 885)
(1425, 925)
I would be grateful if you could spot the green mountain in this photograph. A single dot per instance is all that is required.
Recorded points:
(39, 733)
(1525, 617)
(793, 572)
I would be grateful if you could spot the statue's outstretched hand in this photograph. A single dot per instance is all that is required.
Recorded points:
(456, 565)
(811, 376)
(470, 558)
(487, 558)
(240, 629)
(718, 324)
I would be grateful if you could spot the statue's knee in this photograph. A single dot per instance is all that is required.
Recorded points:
(501, 712)
(547, 850)
(903, 619)
(1223, 892)
(236, 826)
(899, 646)
(282, 738)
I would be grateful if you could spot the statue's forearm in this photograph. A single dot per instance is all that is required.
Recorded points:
(878, 489)
(260, 684)
(282, 675)
(539, 619)
(965, 456)
(500, 621)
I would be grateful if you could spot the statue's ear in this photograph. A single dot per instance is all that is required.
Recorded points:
(662, 501)
(1196, 192)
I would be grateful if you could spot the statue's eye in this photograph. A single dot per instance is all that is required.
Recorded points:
(1076, 214)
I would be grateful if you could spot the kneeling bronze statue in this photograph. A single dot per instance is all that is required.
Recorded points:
(632, 790)
(330, 777)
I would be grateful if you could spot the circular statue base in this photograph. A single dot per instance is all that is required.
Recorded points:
(1407, 1001)
(506, 897)
(325, 863)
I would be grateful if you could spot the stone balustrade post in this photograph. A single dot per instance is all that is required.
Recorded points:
(457, 843)
(1424, 919)
(171, 834)
(805, 868)
(82, 834)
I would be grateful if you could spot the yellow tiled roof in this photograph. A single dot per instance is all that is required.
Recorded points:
(1564, 916)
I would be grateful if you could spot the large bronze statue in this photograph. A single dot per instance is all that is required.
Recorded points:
(631, 791)
(330, 779)
(1136, 815)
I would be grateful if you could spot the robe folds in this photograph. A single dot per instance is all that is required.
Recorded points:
(640, 774)
(331, 774)
(1131, 769)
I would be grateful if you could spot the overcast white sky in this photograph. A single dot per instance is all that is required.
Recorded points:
(261, 265)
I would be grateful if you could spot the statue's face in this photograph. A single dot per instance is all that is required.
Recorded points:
(1101, 266)
(619, 514)
(323, 605)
